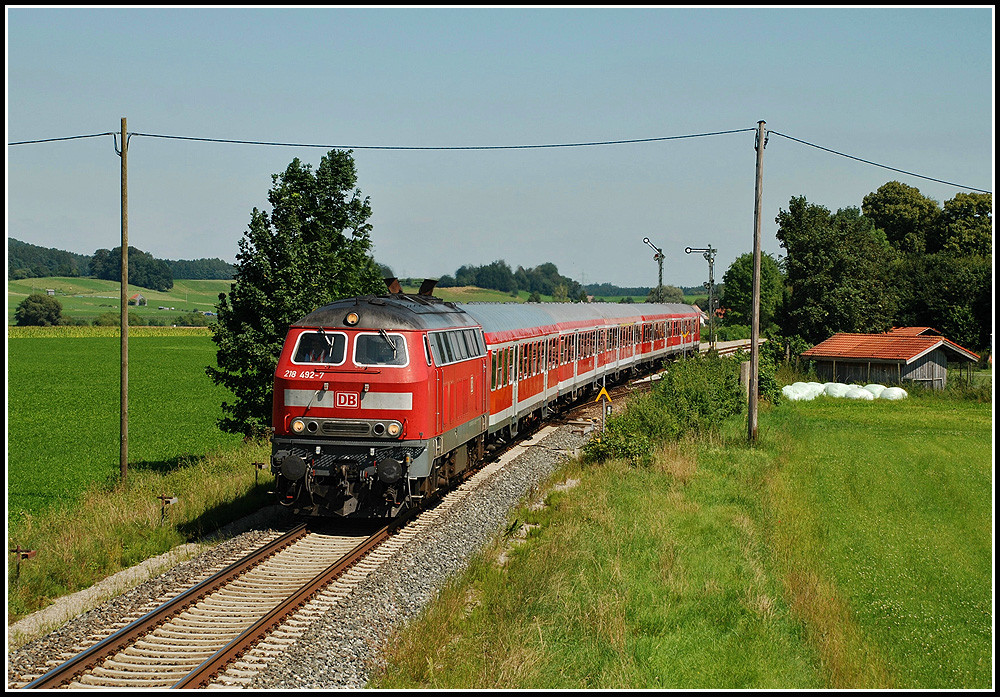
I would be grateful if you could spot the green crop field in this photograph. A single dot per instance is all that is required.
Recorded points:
(63, 413)
(86, 298)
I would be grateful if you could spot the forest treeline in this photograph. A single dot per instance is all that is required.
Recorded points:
(26, 260)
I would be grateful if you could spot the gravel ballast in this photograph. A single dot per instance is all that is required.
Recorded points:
(340, 648)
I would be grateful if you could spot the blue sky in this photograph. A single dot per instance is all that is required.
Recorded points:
(911, 88)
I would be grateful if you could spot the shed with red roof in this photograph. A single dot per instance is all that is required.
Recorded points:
(904, 354)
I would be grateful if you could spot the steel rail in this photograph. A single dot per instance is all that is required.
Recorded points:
(201, 676)
(127, 635)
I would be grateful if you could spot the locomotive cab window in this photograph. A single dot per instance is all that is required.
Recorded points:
(327, 348)
(380, 349)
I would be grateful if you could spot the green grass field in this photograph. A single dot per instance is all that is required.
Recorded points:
(63, 411)
(86, 298)
(64, 497)
(890, 507)
(852, 548)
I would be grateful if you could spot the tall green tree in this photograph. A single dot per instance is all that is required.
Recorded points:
(965, 226)
(312, 249)
(906, 216)
(737, 296)
(837, 268)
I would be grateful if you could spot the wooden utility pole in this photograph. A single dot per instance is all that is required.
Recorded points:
(123, 459)
(761, 141)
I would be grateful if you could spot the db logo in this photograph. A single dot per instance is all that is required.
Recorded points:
(347, 400)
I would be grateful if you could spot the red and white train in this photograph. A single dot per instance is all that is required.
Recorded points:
(381, 400)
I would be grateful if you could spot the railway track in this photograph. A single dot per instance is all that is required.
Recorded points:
(187, 640)
(223, 631)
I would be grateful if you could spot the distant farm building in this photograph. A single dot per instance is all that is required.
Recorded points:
(906, 354)
(137, 299)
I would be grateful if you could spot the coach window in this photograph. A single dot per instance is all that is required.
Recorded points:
(380, 349)
(328, 348)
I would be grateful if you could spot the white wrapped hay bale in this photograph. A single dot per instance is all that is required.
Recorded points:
(893, 393)
(802, 391)
(855, 392)
(875, 389)
(791, 392)
(835, 389)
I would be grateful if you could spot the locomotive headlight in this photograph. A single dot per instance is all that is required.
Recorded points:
(298, 425)
(351, 319)
(393, 429)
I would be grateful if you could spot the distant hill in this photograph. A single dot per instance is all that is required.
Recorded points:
(26, 260)
(31, 261)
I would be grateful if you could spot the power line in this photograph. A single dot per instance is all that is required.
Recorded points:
(52, 140)
(876, 164)
(501, 147)
(444, 147)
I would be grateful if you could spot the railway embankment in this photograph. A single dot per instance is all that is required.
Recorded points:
(848, 549)
(357, 626)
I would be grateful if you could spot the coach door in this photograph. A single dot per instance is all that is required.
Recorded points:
(515, 369)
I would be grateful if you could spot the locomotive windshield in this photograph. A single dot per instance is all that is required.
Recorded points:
(320, 347)
(380, 349)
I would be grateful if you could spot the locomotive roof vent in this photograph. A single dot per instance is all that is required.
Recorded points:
(426, 288)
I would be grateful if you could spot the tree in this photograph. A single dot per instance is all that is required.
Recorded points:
(838, 271)
(906, 216)
(38, 310)
(966, 226)
(144, 269)
(952, 293)
(671, 294)
(737, 298)
(313, 249)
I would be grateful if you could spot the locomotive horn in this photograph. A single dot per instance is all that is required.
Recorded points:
(393, 285)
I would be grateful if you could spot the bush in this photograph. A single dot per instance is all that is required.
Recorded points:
(114, 319)
(632, 434)
(192, 319)
(695, 396)
(107, 319)
(702, 392)
(38, 310)
(732, 333)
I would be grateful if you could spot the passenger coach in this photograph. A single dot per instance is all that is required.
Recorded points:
(379, 400)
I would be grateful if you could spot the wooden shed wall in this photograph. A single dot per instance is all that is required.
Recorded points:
(930, 370)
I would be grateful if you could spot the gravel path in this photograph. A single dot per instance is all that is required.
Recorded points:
(339, 649)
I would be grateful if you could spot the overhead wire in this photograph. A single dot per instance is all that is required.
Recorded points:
(52, 140)
(876, 164)
(446, 147)
(500, 147)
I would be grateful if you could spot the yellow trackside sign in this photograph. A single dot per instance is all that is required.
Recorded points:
(603, 393)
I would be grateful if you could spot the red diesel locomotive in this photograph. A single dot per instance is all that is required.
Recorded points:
(381, 400)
